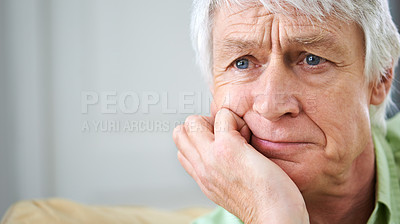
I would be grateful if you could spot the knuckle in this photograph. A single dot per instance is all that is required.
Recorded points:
(222, 150)
(194, 123)
(220, 145)
(192, 119)
(190, 122)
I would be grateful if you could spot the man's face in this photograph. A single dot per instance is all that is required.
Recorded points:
(299, 86)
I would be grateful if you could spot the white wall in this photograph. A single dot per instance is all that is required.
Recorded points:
(24, 159)
(52, 52)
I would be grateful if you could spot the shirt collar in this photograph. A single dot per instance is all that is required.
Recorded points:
(387, 186)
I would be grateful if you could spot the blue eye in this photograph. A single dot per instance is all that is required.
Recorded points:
(313, 60)
(242, 64)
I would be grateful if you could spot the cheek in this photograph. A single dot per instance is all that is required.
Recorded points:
(344, 118)
(237, 98)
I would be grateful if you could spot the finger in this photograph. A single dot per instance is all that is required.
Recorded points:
(192, 172)
(186, 164)
(197, 123)
(184, 145)
(227, 121)
(200, 130)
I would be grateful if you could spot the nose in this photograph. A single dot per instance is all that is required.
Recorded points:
(274, 96)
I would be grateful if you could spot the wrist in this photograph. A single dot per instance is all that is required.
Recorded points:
(288, 214)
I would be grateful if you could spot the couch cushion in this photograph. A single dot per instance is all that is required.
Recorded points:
(60, 211)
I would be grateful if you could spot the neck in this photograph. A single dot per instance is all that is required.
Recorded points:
(356, 202)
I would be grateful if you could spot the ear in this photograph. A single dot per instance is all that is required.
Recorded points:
(381, 88)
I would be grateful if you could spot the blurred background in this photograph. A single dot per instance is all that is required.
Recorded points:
(90, 91)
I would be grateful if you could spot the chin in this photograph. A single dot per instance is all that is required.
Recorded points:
(304, 172)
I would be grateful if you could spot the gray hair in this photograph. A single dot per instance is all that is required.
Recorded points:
(382, 41)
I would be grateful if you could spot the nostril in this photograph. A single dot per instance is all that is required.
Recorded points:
(291, 114)
(288, 114)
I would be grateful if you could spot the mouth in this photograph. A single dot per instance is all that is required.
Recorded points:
(278, 149)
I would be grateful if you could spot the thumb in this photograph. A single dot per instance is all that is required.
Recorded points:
(226, 121)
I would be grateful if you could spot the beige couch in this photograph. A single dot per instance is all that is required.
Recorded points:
(60, 211)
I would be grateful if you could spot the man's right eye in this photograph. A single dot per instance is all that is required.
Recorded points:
(242, 63)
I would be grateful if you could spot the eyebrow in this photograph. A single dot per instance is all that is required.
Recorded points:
(236, 46)
(231, 46)
(325, 40)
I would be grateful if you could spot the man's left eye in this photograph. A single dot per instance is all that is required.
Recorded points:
(314, 60)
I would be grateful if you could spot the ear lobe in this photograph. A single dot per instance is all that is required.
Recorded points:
(381, 88)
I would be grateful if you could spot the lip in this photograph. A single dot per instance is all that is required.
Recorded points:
(278, 149)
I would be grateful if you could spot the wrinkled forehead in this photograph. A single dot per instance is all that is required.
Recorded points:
(252, 18)
(312, 9)
(250, 12)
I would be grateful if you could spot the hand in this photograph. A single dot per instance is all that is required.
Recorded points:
(233, 174)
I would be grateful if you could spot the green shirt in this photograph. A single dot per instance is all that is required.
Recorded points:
(387, 156)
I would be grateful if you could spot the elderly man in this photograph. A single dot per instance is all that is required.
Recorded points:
(297, 132)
